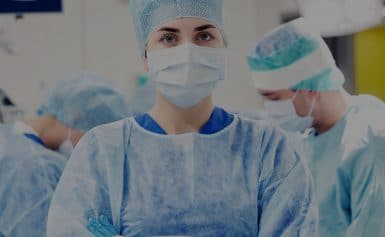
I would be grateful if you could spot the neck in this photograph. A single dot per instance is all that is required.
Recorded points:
(331, 109)
(50, 131)
(175, 120)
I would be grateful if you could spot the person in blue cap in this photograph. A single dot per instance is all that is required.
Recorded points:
(34, 152)
(344, 153)
(186, 167)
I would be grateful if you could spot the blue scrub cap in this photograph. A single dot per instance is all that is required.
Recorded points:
(150, 14)
(294, 57)
(84, 101)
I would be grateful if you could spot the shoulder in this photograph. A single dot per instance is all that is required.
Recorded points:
(101, 143)
(366, 101)
(272, 141)
(108, 134)
(266, 134)
(360, 121)
(363, 134)
(257, 125)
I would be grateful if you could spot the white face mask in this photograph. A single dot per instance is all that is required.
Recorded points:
(187, 74)
(285, 115)
(281, 107)
(308, 120)
(66, 147)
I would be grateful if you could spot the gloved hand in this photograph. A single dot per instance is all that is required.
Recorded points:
(101, 227)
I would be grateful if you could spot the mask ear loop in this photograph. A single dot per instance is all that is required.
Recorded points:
(311, 108)
(69, 135)
(293, 98)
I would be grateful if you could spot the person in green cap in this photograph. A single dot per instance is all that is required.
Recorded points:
(345, 135)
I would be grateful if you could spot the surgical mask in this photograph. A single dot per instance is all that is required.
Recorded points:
(282, 107)
(308, 120)
(284, 115)
(187, 74)
(292, 122)
(66, 147)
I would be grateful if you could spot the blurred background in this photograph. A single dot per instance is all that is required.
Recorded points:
(43, 41)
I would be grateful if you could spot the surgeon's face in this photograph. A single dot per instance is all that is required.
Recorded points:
(303, 102)
(185, 30)
(276, 95)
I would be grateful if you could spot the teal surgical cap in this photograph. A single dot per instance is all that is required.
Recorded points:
(294, 57)
(84, 101)
(150, 14)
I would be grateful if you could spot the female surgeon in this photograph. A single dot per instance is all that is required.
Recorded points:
(185, 168)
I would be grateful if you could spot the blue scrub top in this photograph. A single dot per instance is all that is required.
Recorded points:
(218, 120)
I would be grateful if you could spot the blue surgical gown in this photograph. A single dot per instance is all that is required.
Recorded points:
(243, 180)
(29, 173)
(288, 122)
(347, 164)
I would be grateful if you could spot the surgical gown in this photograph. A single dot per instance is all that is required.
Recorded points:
(29, 174)
(347, 164)
(241, 181)
(288, 122)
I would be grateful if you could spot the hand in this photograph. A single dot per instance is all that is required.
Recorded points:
(101, 227)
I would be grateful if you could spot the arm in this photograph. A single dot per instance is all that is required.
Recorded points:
(102, 227)
(365, 169)
(82, 192)
(28, 176)
(286, 192)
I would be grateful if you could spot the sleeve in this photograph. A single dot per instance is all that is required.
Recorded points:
(27, 183)
(365, 169)
(286, 191)
(82, 192)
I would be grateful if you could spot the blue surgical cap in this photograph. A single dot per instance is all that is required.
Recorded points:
(294, 57)
(150, 14)
(84, 101)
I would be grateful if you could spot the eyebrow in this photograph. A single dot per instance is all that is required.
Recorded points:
(204, 27)
(169, 29)
(199, 28)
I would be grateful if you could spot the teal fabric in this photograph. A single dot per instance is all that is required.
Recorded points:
(323, 81)
(284, 57)
(348, 167)
(287, 45)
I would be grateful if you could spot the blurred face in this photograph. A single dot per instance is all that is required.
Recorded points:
(76, 135)
(303, 102)
(58, 132)
(185, 30)
(277, 95)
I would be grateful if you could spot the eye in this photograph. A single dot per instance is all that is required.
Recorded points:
(169, 39)
(204, 36)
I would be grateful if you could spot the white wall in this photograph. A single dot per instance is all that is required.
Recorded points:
(48, 48)
(97, 35)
